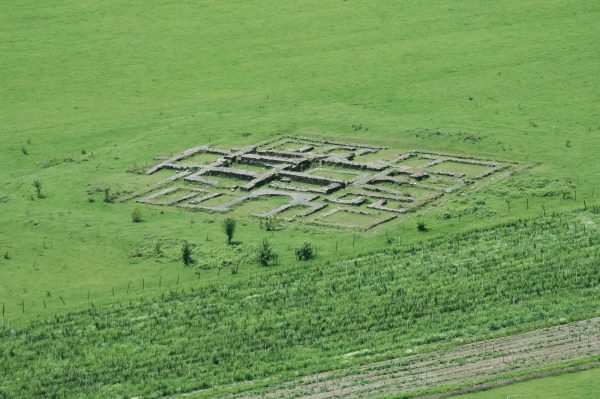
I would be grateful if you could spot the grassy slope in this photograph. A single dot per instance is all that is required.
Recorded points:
(130, 80)
(304, 318)
(583, 384)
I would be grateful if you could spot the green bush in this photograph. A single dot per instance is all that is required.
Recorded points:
(270, 224)
(38, 188)
(265, 253)
(186, 254)
(305, 252)
(108, 197)
(229, 229)
(136, 214)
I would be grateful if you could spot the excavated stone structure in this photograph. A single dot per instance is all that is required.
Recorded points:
(301, 170)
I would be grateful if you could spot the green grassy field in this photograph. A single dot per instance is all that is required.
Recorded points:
(127, 82)
(303, 318)
(582, 384)
(92, 92)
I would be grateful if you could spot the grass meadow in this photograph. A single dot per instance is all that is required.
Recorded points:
(582, 384)
(92, 92)
(306, 318)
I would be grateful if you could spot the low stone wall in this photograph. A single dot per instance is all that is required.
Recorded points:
(285, 170)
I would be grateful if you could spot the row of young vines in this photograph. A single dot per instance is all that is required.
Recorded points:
(299, 320)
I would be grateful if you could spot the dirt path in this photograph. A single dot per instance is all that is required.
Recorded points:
(469, 363)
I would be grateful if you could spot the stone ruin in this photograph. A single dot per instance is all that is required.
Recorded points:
(321, 181)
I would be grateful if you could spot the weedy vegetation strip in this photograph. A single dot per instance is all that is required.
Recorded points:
(447, 369)
(303, 318)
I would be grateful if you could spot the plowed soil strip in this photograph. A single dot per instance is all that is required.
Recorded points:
(468, 363)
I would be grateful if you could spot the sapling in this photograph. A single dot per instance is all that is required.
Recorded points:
(186, 254)
(107, 195)
(229, 229)
(38, 188)
(136, 214)
(265, 253)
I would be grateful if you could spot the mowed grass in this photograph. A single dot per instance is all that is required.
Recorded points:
(579, 385)
(92, 90)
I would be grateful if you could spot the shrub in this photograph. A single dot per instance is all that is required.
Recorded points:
(186, 254)
(421, 226)
(271, 223)
(136, 214)
(24, 150)
(265, 253)
(305, 252)
(229, 229)
(38, 188)
(158, 249)
(6, 255)
(107, 195)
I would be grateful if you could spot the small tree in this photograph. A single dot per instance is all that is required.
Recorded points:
(107, 195)
(265, 253)
(136, 214)
(305, 252)
(186, 254)
(38, 188)
(229, 229)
